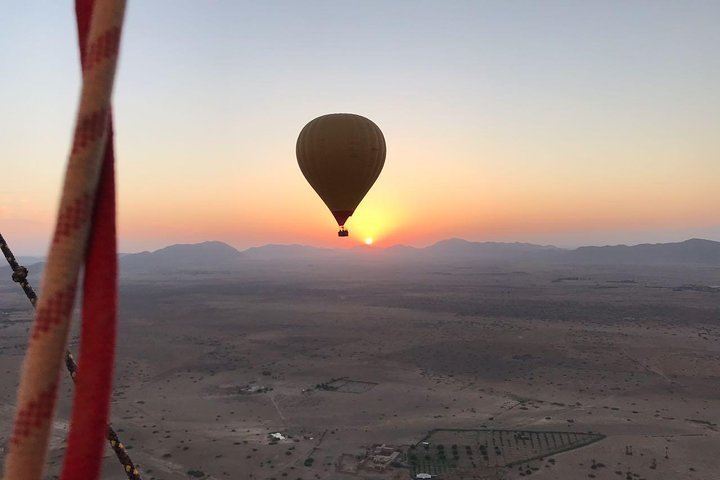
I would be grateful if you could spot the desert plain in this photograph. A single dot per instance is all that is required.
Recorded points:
(620, 365)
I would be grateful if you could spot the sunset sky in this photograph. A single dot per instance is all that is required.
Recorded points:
(544, 121)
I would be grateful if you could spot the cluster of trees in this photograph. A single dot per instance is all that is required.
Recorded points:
(326, 386)
(440, 455)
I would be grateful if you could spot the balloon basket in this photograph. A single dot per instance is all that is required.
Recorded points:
(343, 233)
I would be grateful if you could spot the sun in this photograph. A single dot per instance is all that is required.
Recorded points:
(368, 241)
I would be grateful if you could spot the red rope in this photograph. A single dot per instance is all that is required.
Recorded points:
(93, 381)
(69, 248)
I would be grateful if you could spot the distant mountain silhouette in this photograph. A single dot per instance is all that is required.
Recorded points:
(401, 249)
(218, 256)
(460, 247)
(693, 251)
(273, 251)
(183, 257)
(29, 260)
(396, 252)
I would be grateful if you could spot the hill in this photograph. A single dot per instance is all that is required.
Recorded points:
(206, 256)
(457, 247)
(693, 251)
(273, 251)
(215, 256)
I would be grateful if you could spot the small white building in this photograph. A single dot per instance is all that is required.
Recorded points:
(423, 476)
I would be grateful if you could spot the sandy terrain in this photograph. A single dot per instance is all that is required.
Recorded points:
(620, 352)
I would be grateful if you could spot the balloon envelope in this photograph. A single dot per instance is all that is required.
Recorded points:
(341, 156)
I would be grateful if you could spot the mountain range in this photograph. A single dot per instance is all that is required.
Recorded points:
(219, 256)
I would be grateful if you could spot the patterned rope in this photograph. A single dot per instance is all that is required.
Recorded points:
(91, 406)
(39, 381)
(20, 276)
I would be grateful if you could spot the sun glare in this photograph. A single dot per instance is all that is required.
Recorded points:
(368, 241)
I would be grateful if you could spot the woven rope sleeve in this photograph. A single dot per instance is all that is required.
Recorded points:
(90, 412)
(46, 348)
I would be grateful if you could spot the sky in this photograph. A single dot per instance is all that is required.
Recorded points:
(555, 122)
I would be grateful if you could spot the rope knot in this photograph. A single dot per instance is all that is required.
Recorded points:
(20, 274)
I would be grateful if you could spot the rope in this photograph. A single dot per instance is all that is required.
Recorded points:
(91, 406)
(128, 466)
(46, 347)
(20, 273)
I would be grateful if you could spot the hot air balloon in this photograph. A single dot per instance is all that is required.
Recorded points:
(341, 156)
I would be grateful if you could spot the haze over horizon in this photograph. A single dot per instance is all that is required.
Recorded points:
(556, 123)
(380, 247)
(21, 246)
(376, 246)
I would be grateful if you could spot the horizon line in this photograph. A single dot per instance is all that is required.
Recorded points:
(361, 246)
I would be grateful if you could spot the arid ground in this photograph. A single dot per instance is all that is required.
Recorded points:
(210, 364)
